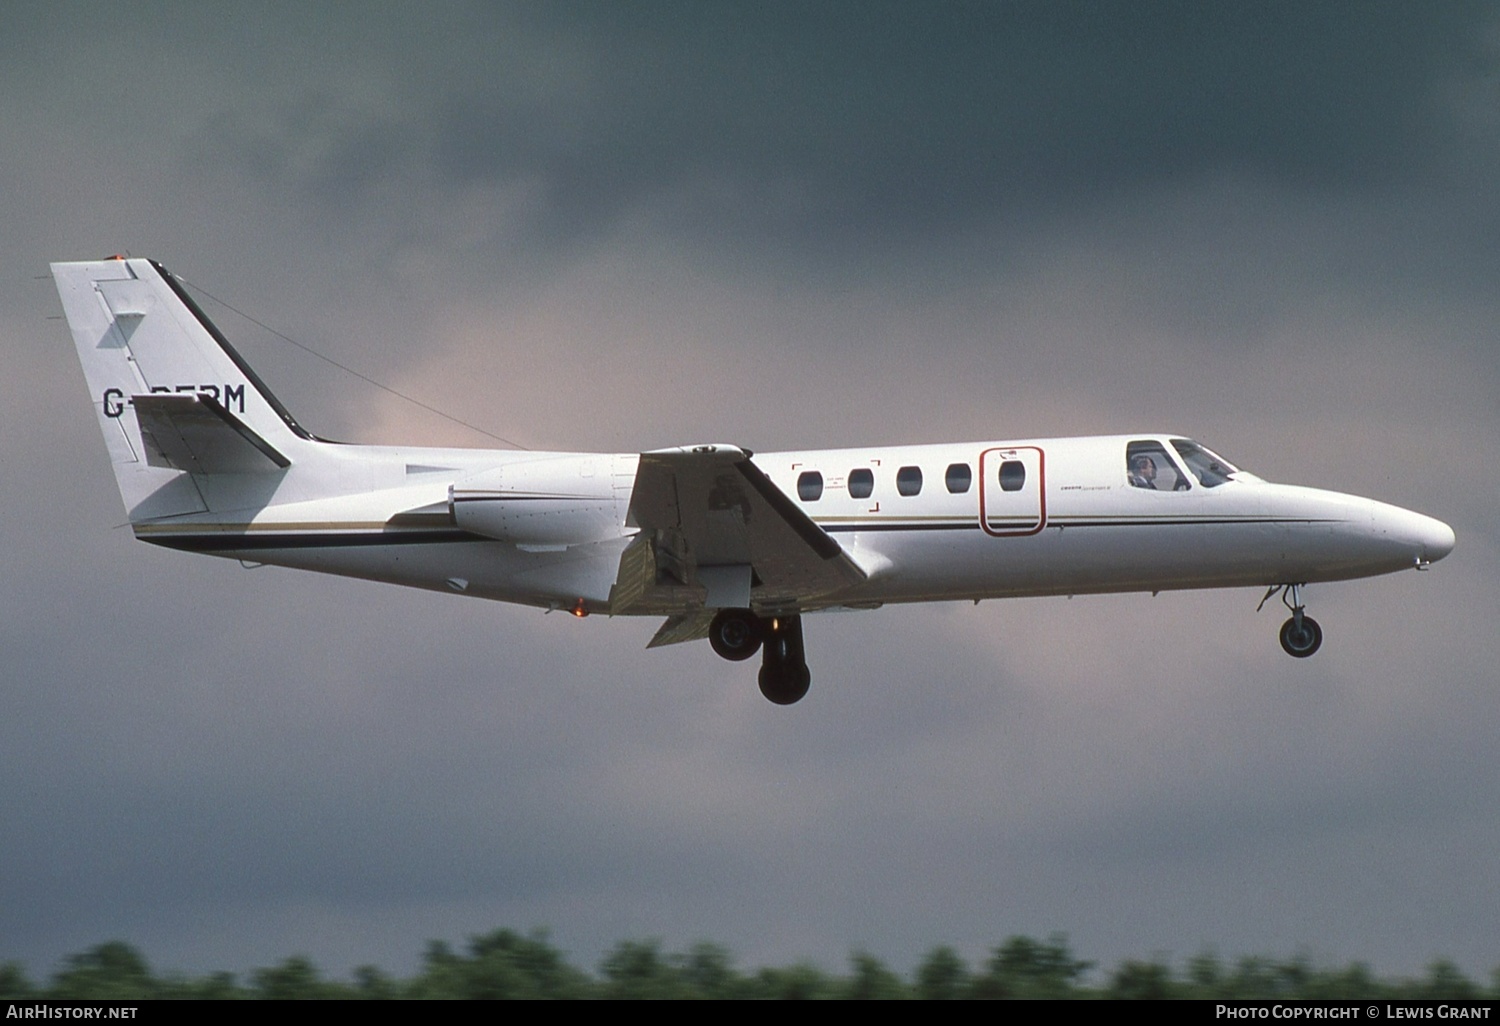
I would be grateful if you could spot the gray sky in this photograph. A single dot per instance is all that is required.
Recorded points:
(1272, 227)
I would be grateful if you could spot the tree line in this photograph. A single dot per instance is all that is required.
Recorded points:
(509, 964)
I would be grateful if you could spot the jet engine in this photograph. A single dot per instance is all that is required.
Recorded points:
(549, 502)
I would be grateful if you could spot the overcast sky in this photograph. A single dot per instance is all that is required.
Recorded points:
(1273, 227)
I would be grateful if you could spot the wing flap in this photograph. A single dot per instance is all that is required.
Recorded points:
(683, 627)
(710, 508)
(194, 432)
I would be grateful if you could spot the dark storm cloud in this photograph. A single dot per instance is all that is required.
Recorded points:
(838, 123)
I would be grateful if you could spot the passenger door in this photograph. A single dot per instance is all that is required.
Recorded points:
(1012, 491)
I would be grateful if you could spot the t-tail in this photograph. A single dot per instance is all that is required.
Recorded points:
(171, 393)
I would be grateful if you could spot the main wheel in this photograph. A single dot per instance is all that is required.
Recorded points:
(735, 634)
(1301, 642)
(785, 685)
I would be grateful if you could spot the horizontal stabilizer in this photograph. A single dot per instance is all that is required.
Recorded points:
(195, 433)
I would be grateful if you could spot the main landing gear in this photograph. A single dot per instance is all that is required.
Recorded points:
(1300, 635)
(736, 634)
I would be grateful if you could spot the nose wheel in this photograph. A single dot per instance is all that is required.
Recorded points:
(1300, 635)
(1301, 639)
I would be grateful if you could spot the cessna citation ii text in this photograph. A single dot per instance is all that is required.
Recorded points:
(723, 544)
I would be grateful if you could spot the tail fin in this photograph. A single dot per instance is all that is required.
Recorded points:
(171, 393)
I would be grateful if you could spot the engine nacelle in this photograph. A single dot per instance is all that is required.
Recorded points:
(553, 501)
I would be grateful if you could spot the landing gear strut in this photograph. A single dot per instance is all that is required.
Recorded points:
(737, 634)
(784, 677)
(1300, 636)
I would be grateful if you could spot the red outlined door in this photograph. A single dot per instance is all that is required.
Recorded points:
(1012, 491)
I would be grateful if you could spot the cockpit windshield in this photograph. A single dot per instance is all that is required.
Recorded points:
(1206, 466)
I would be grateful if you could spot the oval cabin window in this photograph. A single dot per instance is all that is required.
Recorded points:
(909, 480)
(810, 486)
(958, 478)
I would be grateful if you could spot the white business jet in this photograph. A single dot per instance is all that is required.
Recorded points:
(724, 544)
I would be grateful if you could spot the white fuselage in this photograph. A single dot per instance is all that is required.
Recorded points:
(925, 523)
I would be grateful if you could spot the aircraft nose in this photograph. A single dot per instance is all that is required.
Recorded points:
(1438, 539)
(1425, 538)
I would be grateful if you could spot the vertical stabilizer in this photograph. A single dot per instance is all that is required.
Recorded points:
(139, 334)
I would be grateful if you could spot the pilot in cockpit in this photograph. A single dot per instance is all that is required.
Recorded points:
(1142, 471)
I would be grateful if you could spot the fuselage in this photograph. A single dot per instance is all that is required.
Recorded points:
(925, 523)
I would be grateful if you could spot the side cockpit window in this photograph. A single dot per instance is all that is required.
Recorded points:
(1148, 467)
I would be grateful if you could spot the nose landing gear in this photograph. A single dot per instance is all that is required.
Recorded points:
(1300, 635)
(1301, 639)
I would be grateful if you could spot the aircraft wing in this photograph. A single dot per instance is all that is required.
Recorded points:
(194, 432)
(716, 532)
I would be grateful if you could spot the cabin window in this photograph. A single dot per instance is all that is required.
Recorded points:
(1012, 476)
(958, 478)
(810, 486)
(861, 483)
(909, 480)
(1147, 466)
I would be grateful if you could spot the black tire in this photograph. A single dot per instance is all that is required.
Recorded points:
(1304, 642)
(736, 634)
(785, 685)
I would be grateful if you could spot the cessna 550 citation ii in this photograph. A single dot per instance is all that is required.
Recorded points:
(724, 544)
